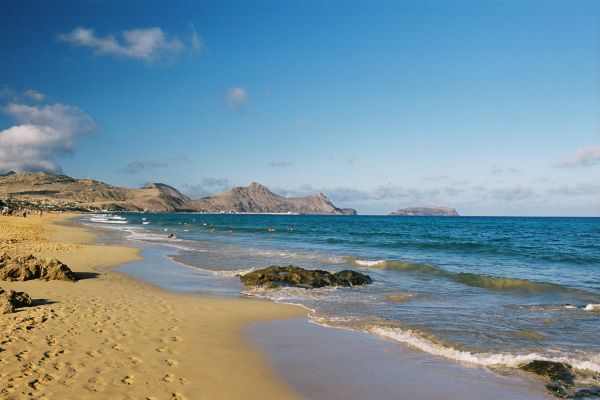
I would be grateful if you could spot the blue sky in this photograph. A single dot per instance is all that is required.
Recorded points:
(489, 107)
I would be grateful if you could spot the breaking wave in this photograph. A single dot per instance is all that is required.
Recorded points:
(484, 281)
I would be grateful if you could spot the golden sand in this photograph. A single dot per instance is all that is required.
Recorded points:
(109, 336)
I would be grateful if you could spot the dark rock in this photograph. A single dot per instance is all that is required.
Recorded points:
(555, 371)
(276, 276)
(562, 379)
(30, 267)
(10, 300)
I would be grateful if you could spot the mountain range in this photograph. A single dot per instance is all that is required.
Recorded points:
(47, 190)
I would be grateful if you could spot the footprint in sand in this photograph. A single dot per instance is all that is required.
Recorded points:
(171, 363)
(128, 380)
(50, 340)
(22, 356)
(135, 360)
(94, 353)
(40, 381)
(95, 384)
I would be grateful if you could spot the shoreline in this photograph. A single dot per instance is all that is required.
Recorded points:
(280, 344)
(110, 335)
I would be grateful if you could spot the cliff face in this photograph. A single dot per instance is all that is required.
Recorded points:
(427, 211)
(52, 190)
(255, 198)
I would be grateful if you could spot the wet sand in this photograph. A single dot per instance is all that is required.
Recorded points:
(335, 364)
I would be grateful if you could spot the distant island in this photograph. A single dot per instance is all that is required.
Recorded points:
(43, 190)
(427, 211)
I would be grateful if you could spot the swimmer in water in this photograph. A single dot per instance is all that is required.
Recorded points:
(213, 229)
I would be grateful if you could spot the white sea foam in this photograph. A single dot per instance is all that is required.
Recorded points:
(588, 307)
(230, 273)
(592, 307)
(369, 263)
(107, 221)
(415, 340)
(145, 223)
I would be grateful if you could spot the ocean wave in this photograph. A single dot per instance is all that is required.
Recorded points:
(419, 341)
(483, 281)
(369, 263)
(428, 344)
(503, 283)
(400, 266)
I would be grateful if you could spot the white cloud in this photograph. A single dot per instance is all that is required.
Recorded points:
(511, 194)
(581, 189)
(349, 159)
(146, 44)
(207, 187)
(196, 42)
(43, 133)
(236, 99)
(9, 94)
(280, 163)
(137, 166)
(34, 95)
(582, 158)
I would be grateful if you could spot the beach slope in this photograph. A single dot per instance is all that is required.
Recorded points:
(109, 336)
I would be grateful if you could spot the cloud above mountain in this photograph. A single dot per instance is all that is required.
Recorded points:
(42, 134)
(207, 186)
(138, 166)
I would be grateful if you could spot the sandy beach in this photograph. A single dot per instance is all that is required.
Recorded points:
(110, 336)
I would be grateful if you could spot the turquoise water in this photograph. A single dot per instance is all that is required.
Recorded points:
(484, 290)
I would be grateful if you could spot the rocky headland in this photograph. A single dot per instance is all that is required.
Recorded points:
(433, 211)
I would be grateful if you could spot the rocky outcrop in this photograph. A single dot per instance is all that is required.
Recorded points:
(255, 198)
(276, 276)
(433, 211)
(10, 300)
(30, 267)
(562, 379)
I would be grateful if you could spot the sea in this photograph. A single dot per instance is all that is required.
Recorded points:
(488, 291)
